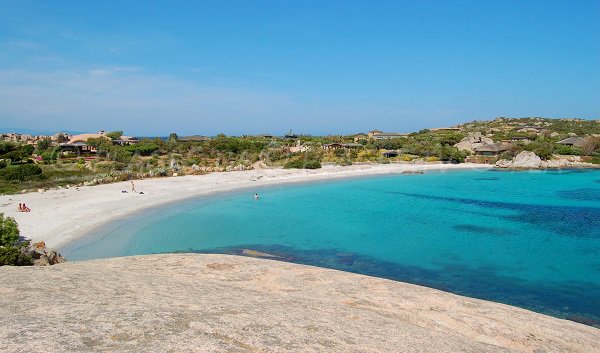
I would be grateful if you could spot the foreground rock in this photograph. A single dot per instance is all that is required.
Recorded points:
(220, 303)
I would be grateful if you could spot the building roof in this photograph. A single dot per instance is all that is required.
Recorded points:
(85, 137)
(574, 141)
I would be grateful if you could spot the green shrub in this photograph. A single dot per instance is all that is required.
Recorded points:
(14, 255)
(302, 163)
(11, 248)
(9, 231)
(143, 148)
(568, 150)
(21, 172)
(50, 155)
(344, 162)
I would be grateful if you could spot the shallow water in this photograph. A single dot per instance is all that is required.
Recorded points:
(530, 239)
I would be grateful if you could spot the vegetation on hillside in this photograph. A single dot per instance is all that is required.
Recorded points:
(25, 167)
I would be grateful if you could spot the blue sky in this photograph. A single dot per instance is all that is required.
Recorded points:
(318, 67)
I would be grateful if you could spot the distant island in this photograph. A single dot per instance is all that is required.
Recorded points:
(33, 162)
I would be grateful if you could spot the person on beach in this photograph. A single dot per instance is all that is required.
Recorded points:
(24, 208)
(133, 187)
(21, 208)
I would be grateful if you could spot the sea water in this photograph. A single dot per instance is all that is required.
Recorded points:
(527, 238)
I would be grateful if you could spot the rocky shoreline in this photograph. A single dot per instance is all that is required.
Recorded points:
(529, 160)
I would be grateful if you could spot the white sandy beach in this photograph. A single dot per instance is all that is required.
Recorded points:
(62, 215)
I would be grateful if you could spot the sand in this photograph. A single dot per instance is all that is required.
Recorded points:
(63, 215)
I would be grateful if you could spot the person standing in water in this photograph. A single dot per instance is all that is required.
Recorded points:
(256, 196)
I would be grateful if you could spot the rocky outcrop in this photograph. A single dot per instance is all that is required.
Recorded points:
(557, 163)
(43, 256)
(472, 141)
(524, 160)
(529, 160)
(221, 303)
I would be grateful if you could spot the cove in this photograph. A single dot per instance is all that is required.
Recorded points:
(527, 238)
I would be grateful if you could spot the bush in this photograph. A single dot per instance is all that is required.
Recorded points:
(143, 148)
(344, 162)
(21, 172)
(50, 156)
(11, 249)
(568, 150)
(14, 255)
(9, 231)
(302, 163)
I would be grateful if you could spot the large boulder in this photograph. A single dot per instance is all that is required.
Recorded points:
(504, 163)
(473, 137)
(527, 159)
(487, 141)
(524, 160)
(472, 141)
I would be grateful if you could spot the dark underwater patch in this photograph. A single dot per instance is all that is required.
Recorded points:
(585, 194)
(573, 221)
(576, 301)
(490, 178)
(471, 228)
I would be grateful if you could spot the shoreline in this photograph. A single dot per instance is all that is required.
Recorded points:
(61, 216)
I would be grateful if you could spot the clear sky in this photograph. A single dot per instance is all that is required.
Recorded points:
(313, 66)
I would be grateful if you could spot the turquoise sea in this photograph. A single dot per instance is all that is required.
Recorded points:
(528, 238)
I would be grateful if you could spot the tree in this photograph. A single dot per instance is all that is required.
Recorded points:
(11, 247)
(173, 137)
(18, 153)
(6, 147)
(114, 135)
(9, 231)
(101, 144)
(590, 144)
(43, 145)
